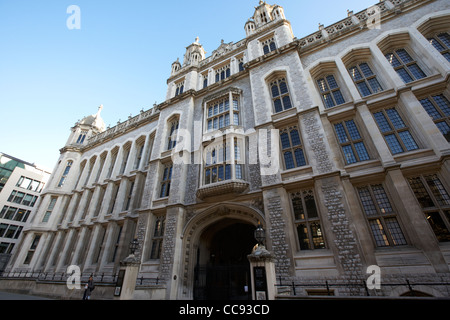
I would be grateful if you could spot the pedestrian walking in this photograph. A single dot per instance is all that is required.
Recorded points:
(89, 287)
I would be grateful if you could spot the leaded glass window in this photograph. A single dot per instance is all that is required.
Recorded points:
(434, 200)
(406, 67)
(381, 216)
(351, 142)
(330, 91)
(280, 95)
(395, 131)
(292, 148)
(365, 80)
(307, 221)
(438, 108)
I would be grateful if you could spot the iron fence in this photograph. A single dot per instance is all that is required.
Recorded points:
(326, 287)
(61, 277)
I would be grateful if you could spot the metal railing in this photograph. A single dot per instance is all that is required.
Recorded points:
(61, 277)
(326, 287)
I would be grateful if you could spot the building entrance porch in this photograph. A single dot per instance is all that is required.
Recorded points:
(222, 270)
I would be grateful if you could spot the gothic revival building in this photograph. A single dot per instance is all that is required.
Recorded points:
(337, 143)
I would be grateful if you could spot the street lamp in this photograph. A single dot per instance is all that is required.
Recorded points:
(260, 234)
(134, 245)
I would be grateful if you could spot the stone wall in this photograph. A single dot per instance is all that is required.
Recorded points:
(168, 249)
(344, 239)
(280, 248)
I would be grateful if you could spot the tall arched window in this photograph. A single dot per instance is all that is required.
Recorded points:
(436, 31)
(330, 91)
(280, 94)
(65, 173)
(364, 78)
(165, 180)
(292, 148)
(441, 42)
(405, 66)
(173, 132)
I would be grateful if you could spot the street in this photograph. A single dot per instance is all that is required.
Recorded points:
(16, 296)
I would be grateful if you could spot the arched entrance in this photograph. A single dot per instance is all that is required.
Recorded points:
(222, 270)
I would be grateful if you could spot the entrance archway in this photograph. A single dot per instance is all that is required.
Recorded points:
(222, 270)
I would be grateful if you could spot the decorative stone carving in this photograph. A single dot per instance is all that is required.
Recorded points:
(222, 49)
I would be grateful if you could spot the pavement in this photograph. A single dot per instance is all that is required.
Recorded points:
(16, 296)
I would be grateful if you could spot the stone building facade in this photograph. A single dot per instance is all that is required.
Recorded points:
(337, 143)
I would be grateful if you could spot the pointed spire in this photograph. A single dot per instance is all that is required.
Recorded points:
(100, 108)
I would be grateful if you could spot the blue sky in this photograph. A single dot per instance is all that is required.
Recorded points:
(51, 76)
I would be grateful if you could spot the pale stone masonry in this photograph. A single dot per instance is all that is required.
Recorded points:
(337, 143)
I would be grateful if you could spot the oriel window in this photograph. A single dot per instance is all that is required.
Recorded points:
(220, 115)
(224, 162)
